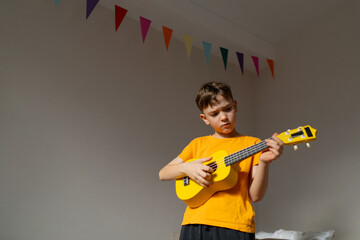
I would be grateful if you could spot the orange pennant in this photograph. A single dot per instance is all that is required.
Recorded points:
(271, 66)
(167, 36)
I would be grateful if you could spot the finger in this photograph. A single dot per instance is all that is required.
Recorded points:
(272, 144)
(203, 174)
(207, 169)
(275, 152)
(278, 140)
(205, 159)
(202, 182)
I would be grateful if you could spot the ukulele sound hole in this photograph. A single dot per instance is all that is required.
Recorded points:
(213, 165)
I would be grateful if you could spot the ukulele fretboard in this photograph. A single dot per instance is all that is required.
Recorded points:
(245, 153)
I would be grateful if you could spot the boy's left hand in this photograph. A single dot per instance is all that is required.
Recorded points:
(275, 150)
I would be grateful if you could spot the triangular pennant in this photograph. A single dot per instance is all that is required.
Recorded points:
(119, 16)
(224, 54)
(145, 25)
(271, 66)
(167, 36)
(240, 57)
(256, 64)
(90, 5)
(188, 44)
(207, 50)
(56, 2)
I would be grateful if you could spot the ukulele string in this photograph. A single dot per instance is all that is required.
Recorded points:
(217, 163)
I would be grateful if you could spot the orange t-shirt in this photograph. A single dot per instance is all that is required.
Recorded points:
(230, 208)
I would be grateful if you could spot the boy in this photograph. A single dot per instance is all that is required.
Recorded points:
(227, 214)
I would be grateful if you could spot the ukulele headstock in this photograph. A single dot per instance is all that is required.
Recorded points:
(304, 134)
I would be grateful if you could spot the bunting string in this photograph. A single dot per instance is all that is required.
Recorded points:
(145, 23)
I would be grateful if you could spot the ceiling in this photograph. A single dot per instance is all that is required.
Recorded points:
(253, 27)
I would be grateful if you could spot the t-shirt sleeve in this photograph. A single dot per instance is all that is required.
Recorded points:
(256, 157)
(188, 152)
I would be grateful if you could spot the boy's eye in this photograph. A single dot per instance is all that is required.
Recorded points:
(228, 109)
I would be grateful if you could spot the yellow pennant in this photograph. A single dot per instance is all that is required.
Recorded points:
(188, 44)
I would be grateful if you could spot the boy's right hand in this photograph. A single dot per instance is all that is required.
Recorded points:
(199, 172)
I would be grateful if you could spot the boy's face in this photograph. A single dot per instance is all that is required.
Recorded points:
(221, 116)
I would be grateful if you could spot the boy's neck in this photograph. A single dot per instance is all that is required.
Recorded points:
(232, 134)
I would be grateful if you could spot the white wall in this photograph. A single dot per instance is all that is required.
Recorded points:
(317, 83)
(87, 118)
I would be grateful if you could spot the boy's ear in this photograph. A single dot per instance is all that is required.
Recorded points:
(235, 105)
(203, 117)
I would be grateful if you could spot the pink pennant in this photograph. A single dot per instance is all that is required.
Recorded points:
(256, 64)
(145, 25)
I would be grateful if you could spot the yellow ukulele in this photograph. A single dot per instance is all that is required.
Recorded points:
(225, 176)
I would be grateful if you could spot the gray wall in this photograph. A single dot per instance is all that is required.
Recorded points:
(317, 83)
(88, 116)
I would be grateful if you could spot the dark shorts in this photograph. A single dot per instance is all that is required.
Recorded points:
(205, 232)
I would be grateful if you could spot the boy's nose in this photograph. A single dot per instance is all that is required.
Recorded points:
(223, 116)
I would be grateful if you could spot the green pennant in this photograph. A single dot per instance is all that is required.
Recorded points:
(224, 54)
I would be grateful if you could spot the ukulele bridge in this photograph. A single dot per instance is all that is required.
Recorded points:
(186, 181)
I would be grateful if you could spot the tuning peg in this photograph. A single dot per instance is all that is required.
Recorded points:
(295, 147)
(308, 145)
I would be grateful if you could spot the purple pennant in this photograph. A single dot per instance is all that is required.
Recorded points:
(90, 5)
(240, 57)
(145, 25)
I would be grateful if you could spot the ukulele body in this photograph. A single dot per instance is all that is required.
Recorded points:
(224, 177)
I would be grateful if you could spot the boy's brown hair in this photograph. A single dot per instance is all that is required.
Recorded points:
(207, 93)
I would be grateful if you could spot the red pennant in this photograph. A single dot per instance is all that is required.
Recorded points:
(119, 16)
(167, 36)
(271, 66)
(256, 64)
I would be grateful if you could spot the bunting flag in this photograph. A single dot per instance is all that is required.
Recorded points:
(188, 44)
(271, 66)
(240, 57)
(207, 50)
(56, 2)
(90, 5)
(119, 16)
(256, 64)
(224, 54)
(167, 36)
(145, 25)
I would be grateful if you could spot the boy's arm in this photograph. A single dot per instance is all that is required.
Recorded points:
(196, 170)
(260, 173)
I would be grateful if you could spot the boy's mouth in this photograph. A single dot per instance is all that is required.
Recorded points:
(226, 125)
